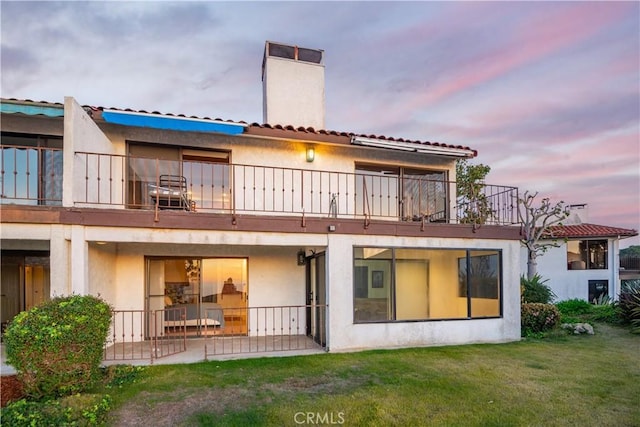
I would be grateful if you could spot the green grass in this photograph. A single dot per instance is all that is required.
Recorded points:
(562, 380)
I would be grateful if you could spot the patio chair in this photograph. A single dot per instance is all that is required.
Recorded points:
(171, 193)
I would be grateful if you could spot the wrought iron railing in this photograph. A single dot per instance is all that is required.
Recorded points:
(144, 183)
(630, 262)
(34, 176)
(267, 329)
(144, 334)
(30, 175)
(150, 335)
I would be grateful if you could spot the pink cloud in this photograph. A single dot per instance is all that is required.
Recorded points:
(539, 35)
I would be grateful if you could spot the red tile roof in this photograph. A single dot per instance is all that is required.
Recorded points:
(266, 129)
(589, 230)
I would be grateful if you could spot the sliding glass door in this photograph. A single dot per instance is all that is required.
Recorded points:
(212, 291)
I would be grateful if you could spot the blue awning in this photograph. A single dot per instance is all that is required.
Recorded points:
(156, 121)
(32, 109)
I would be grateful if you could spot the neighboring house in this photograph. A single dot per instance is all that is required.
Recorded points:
(357, 241)
(586, 263)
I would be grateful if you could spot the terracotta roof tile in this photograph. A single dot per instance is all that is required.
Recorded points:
(589, 230)
(286, 128)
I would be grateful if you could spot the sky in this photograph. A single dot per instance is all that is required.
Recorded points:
(547, 92)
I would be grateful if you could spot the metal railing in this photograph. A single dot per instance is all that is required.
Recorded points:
(151, 335)
(30, 175)
(143, 334)
(630, 262)
(267, 329)
(132, 182)
(33, 175)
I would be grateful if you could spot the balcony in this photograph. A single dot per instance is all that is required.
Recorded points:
(126, 182)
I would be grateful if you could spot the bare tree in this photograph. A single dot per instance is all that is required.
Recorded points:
(537, 223)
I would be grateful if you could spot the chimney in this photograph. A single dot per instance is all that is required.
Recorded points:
(578, 214)
(293, 86)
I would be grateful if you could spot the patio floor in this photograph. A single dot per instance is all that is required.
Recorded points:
(219, 348)
(222, 348)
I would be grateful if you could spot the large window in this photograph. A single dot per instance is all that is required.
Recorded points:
(587, 254)
(178, 178)
(410, 194)
(31, 169)
(212, 291)
(396, 284)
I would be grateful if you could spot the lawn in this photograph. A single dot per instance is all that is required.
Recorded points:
(563, 380)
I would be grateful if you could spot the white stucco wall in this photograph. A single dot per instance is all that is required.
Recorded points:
(345, 335)
(90, 179)
(570, 284)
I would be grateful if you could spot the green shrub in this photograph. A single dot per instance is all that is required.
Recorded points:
(57, 347)
(629, 304)
(535, 290)
(537, 318)
(574, 307)
(76, 410)
(608, 313)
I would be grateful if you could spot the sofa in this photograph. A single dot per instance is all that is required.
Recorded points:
(210, 315)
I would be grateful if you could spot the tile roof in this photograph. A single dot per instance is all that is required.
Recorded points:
(589, 230)
(265, 129)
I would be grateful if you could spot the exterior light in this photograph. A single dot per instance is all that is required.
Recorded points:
(311, 154)
(301, 257)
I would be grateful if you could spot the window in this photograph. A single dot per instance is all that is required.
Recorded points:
(31, 169)
(598, 289)
(410, 194)
(396, 284)
(587, 254)
(213, 292)
(200, 178)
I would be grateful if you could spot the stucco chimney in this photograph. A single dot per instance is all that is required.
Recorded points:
(578, 214)
(293, 86)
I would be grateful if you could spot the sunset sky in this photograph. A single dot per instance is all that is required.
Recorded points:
(548, 93)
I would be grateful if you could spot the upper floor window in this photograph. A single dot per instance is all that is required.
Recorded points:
(411, 194)
(31, 171)
(587, 254)
(178, 178)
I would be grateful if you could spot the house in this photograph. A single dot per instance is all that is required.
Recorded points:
(586, 263)
(201, 227)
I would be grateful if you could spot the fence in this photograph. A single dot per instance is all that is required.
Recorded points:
(143, 335)
(268, 329)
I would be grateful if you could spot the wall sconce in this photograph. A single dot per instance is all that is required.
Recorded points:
(301, 257)
(311, 154)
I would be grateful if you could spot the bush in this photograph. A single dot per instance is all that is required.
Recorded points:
(608, 313)
(629, 304)
(535, 290)
(57, 347)
(76, 410)
(574, 307)
(537, 318)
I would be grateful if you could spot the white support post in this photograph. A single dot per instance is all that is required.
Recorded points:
(79, 261)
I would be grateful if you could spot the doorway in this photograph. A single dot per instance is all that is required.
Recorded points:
(317, 298)
(213, 292)
(25, 282)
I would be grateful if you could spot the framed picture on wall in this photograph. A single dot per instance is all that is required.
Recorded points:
(377, 279)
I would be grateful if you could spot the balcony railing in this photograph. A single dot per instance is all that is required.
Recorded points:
(30, 175)
(142, 183)
(207, 186)
(630, 262)
(151, 335)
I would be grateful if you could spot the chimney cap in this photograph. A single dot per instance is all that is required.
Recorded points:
(292, 52)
